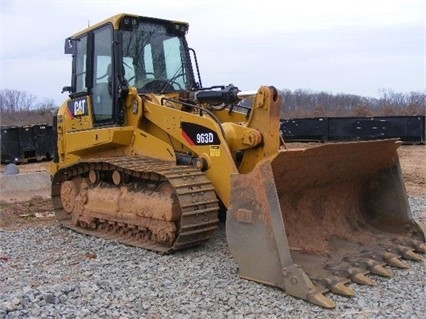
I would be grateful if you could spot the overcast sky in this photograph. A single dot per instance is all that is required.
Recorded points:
(354, 46)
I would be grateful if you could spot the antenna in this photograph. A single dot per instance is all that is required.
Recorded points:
(88, 23)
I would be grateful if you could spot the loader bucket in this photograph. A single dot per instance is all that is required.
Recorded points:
(310, 221)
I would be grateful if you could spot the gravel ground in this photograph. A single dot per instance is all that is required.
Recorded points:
(51, 272)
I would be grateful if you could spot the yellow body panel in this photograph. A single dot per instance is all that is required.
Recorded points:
(218, 157)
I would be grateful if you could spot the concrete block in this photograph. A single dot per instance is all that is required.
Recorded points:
(24, 182)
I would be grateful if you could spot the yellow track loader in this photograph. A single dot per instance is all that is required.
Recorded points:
(148, 156)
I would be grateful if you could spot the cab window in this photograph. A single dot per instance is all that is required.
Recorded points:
(103, 90)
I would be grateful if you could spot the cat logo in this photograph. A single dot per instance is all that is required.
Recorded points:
(77, 107)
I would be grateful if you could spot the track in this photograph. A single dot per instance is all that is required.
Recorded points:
(197, 202)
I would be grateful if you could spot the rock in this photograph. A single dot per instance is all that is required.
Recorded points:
(9, 306)
(11, 169)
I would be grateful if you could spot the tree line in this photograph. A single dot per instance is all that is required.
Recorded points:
(21, 108)
(16, 101)
(306, 103)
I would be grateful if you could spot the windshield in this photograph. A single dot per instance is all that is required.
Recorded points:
(154, 60)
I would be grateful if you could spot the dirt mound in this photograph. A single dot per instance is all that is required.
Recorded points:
(37, 211)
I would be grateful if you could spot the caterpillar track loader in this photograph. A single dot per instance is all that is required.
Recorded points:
(149, 157)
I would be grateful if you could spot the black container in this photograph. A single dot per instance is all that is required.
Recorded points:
(10, 149)
(27, 143)
(43, 141)
(305, 129)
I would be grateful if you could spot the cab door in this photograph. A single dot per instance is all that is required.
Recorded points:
(93, 90)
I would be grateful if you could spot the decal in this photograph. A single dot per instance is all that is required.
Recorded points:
(77, 107)
(214, 150)
(196, 134)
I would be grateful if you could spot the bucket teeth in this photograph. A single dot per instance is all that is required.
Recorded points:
(319, 299)
(377, 268)
(381, 271)
(409, 254)
(357, 275)
(341, 289)
(394, 261)
(416, 245)
(420, 247)
(337, 285)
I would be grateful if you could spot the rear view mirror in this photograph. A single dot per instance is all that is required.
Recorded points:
(69, 46)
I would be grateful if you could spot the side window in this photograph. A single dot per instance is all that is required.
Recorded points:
(102, 94)
(129, 70)
(174, 61)
(149, 64)
(80, 65)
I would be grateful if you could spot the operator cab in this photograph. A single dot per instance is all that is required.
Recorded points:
(125, 51)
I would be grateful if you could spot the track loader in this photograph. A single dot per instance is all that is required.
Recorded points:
(149, 157)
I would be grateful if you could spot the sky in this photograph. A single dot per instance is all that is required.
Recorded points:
(357, 47)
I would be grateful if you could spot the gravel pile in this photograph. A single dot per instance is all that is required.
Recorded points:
(52, 272)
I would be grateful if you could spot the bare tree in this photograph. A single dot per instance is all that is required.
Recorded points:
(21, 108)
(46, 104)
(14, 100)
